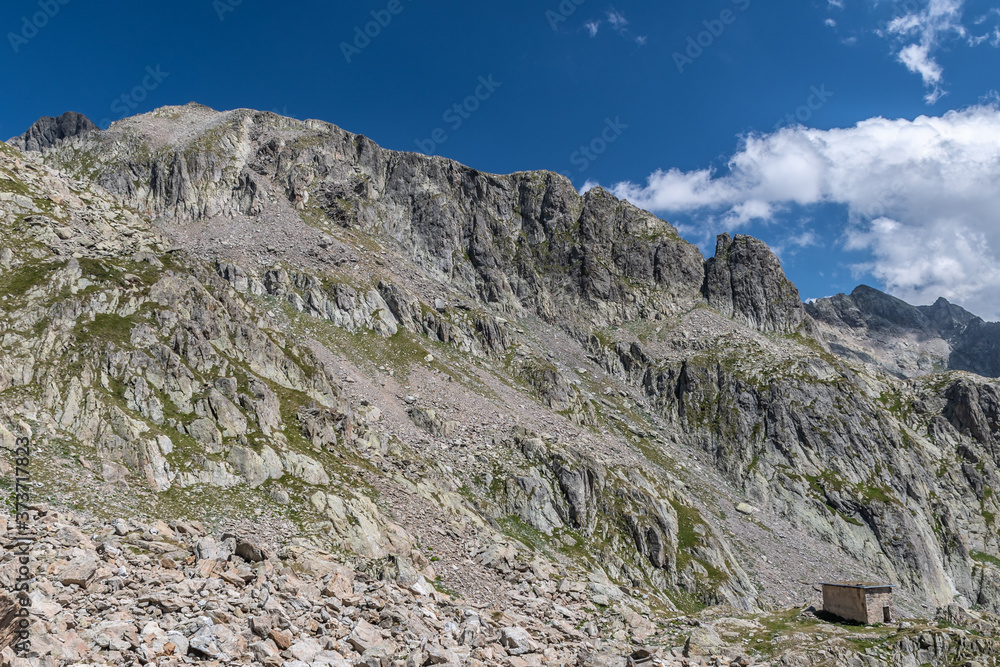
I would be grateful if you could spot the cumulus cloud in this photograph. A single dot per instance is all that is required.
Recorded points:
(921, 196)
(592, 27)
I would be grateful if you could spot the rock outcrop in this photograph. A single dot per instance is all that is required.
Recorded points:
(745, 280)
(49, 132)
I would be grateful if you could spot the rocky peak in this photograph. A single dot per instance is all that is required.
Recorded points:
(872, 308)
(947, 318)
(48, 131)
(883, 311)
(745, 281)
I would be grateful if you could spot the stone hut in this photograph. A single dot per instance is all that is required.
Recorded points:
(859, 601)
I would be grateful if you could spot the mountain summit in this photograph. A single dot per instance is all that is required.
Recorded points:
(48, 132)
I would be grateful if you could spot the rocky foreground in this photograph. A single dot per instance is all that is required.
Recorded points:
(126, 593)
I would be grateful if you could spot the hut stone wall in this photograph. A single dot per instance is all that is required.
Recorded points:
(863, 605)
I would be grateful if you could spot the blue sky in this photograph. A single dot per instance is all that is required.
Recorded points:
(887, 173)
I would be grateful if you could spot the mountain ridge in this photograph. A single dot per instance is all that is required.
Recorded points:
(975, 351)
(949, 337)
(184, 188)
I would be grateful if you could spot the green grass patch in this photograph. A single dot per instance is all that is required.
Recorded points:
(528, 535)
(687, 603)
(17, 282)
(687, 518)
(99, 272)
(981, 557)
(893, 402)
(14, 186)
(876, 492)
(107, 327)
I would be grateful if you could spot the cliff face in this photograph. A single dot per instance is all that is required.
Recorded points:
(524, 243)
(744, 280)
(210, 313)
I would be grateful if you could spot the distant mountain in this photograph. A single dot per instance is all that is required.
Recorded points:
(872, 326)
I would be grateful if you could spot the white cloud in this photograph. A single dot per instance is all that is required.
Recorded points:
(991, 38)
(839, 4)
(921, 196)
(929, 28)
(919, 34)
(815, 299)
(918, 60)
(830, 23)
(792, 243)
(617, 20)
(675, 190)
(619, 24)
(804, 240)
